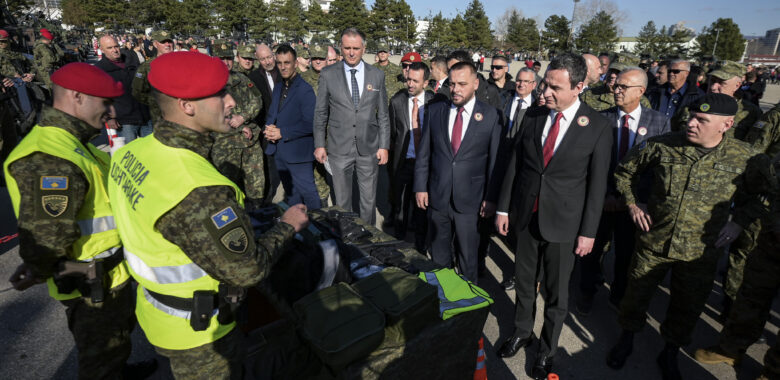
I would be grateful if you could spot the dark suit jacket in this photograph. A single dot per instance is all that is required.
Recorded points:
(507, 109)
(689, 96)
(294, 120)
(261, 82)
(464, 179)
(400, 128)
(655, 123)
(486, 93)
(571, 188)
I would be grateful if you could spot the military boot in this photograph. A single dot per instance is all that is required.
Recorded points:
(715, 355)
(620, 352)
(667, 360)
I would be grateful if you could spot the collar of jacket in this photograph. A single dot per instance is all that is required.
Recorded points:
(179, 136)
(52, 117)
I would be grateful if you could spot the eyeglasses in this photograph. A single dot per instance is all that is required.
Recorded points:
(676, 71)
(497, 67)
(623, 87)
(406, 65)
(525, 81)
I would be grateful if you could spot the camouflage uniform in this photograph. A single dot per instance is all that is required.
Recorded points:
(391, 71)
(765, 133)
(188, 225)
(142, 90)
(101, 331)
(747, 114)
(600, 98)
(236, 157)
(690, 202)
(47, 59)
(12, 63)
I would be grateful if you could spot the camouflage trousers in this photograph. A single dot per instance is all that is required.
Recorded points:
(102, 332)
(320, 175)
(691, 283)
(751, 308)
(738, 253)
(221, 359)
(243, 166)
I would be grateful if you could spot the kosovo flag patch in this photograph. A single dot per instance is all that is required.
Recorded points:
(54, 183)
(224, 217)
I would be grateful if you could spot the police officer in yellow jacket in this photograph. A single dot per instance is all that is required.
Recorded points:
(189, 243)
(57, 183)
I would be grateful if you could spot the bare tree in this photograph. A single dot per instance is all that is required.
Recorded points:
(587, 9)
(501, 26)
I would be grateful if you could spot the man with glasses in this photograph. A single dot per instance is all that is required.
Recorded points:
(676, 93)
(633, 124)
(519, 100)
(500, 77)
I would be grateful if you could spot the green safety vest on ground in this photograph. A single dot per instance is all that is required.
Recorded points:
(99, 237)
(456, 294)
(147, 180)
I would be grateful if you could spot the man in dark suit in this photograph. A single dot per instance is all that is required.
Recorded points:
(631, 124)
(438, 75)
(518, 101)
(352, 104)
(553, 193)
(486, 93)
(289, 131)
(407, 109)
(265, 78)
(454, 169)
(677, 92)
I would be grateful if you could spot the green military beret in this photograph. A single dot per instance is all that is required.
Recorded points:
(221, 49)
(715, 104)
(729, 69)
(246, 51)
(318, 51)
(161, 35)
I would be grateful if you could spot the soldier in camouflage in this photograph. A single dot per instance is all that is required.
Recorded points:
(52, 191)
(687, 220)
(245, 58)
(601, 95)
(48, 56)
(318, 54)
(751, 308)
(765, 133)
(391, 70)
(238, 154)
(142, 91)
(302, 64)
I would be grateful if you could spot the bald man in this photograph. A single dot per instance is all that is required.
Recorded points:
(594, 71)
(132, 119)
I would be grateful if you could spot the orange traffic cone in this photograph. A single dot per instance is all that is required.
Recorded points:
(481, 372)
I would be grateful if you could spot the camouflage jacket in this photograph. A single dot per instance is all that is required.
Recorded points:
(312, 78)
(142, 90)
(230, 254)
(12, 63)
(392, 84)
(47, 59)
(764, 135)
(43, 238)
(249, 102)
(747, 114)
(600, 98)
(692, 193)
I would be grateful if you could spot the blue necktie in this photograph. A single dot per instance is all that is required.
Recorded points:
(355, 89)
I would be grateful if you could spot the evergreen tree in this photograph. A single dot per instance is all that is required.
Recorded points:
(290, 20)
(458, 36)
(438, 29)
(316, 22)
(403, 26)
(730, 44)
(257, 18)
(478, 33)
(598, 34)
(556, 33)
(523, 33)
(648, 40)
(379, 29)
(348, 14)
(228, 16)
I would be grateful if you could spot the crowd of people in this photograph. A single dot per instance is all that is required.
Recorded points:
(669, 164)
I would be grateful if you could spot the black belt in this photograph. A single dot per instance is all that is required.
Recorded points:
(202, 304)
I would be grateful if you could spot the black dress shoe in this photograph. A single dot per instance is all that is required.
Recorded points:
(139, 370)
(620, 352)
(508, 284)
(542, 367)
(667, 360)
(514, 344)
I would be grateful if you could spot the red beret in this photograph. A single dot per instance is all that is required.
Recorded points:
(188, 75)
(411, 57)
(45, 33)
(87, 79)
(3, 34)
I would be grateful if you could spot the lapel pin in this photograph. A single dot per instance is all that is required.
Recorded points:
(369, 87)
(642, 131)
(478, 116)
(583, 121)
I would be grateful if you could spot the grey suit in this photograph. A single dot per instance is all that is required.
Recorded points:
(352, 135)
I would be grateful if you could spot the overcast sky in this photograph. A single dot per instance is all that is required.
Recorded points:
(754, 17)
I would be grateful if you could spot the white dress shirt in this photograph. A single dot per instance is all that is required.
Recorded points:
(359, 75)
(420, 105)
(563, 125)
(270, 80)
(633, 124)
(468, 109)
(523, 102)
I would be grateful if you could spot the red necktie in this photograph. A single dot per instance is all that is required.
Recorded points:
(457, 131)
(623, 138)
(416, 124)
(549, 147)
(436, 88)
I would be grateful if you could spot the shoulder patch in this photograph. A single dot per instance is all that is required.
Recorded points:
(139, 75)
(54, 183)
(235, 240)
(224, 217)
(54, 205)
(759, 124)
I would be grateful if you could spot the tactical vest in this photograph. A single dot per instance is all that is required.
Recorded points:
(148, 179)
(456, 294)
(99, 237)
